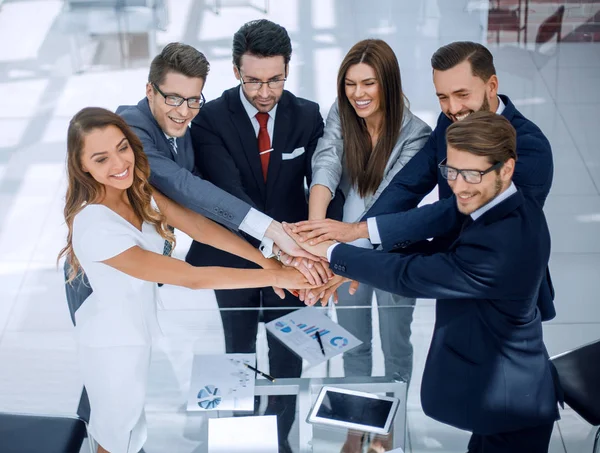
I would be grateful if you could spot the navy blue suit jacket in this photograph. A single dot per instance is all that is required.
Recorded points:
(400, 224)
(487, 370)
(226, 150)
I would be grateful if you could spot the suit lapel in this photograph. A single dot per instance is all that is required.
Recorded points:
(247, 138)
(145, 108)
(185, 152)
(496, 213)
(278, 141)
(509, 108)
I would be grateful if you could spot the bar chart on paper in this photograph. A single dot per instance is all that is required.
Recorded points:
(298, 331)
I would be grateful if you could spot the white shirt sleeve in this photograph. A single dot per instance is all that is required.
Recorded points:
(374, 236)
(255, 224)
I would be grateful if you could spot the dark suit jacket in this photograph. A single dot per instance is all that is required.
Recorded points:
(226, 150)
(400, 225)
(174, 173)
(487, 370)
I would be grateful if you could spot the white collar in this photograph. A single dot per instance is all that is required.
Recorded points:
(501, 106)
(512, 189)
(251, 110)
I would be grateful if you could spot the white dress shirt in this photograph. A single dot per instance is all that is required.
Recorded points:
(252, 111)
(256, 223)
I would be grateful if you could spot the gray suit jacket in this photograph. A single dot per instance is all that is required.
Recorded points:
(174, 173)
(328, 160)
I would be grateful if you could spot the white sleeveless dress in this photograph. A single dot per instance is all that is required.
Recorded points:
(115, 327)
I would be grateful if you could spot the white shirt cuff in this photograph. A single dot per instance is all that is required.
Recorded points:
(266, 247)
(373, 231)
(255, 224)
(330, 250)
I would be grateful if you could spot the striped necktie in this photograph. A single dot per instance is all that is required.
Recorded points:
(173, 144)
(167, 249)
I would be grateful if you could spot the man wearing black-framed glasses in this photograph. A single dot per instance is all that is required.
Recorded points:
(487, 368)
(256, 141)
(173, 99)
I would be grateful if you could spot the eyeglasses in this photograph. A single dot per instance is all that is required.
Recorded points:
(257, 85)
(175, 101)
(470, 176)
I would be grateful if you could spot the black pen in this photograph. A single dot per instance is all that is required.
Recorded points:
(318, 335)
(265, 375)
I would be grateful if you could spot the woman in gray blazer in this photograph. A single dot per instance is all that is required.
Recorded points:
(370, 134)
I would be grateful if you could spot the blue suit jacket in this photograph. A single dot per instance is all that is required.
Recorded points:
(400, 223)
(487, 370)
(173, 173)
(227, 155)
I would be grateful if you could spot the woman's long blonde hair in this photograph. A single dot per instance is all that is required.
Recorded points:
(83, 189)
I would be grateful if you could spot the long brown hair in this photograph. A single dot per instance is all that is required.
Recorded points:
(365, 164)
(83, 189)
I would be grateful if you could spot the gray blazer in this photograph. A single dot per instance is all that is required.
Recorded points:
(174, 174)
(328, 160)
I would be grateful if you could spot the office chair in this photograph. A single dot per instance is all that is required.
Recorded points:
(579, 374)
(550, 28)
(27, 433)
(508, 19)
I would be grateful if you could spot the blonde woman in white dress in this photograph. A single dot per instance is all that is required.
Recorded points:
(117, 228)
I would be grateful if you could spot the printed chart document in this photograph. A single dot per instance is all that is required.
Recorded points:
(298, 329)
(243, 435)
(222, 382)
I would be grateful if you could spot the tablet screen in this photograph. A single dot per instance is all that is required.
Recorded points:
(354, 409)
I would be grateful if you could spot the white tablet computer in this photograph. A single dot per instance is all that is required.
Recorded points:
(350, 409)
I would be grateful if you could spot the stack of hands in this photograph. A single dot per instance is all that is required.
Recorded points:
(303, 246)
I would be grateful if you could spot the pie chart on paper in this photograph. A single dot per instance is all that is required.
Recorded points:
(209, 397)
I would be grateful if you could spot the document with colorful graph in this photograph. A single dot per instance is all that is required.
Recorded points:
(222, 383)
(298, 331)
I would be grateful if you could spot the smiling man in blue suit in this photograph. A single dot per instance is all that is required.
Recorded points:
(487, 370)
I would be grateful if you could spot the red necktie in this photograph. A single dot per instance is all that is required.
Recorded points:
(264, 142)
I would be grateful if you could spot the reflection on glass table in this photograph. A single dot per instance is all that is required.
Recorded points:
(304, 437)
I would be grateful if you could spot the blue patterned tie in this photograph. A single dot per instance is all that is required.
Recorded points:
(167, 249)
(173, 144)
